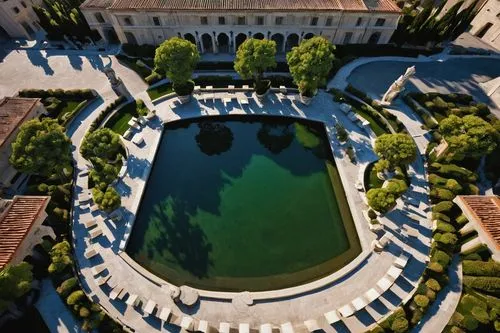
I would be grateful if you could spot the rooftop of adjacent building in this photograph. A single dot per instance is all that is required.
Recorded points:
(13, 112)
(17, 217)
(261, 5)
(486, 213)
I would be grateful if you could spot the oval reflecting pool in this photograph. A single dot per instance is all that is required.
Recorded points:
(238, 203)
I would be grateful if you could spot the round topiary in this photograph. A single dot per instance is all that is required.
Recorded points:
(456, 329)
(421, 301)
(84, 312)
(435, 267)
(469, 323)
(400, 325)
(371, 214)
(433, 285)
(480, 315)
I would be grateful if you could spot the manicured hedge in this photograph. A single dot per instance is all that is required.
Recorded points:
(95, 124)
(481, 268)
(441, 194)
(442, 207)
(445, 227)
(67, 286)
(485, 283)
(453, 171)
(59, 93)
(440, 216)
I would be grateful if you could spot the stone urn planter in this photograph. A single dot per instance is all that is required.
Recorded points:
(262, 90)
(184, 91)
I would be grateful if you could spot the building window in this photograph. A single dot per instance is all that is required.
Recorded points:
(347, 37)
(314, 21)
(279, 20)
(204, 20)
(24, 4)
(16, 10)
(260, 20)
(222, 20)
(359, 21)
(156, 20)
(380, 22)
(328, 22)
(99, 18)
(128, 21)
(241, 20)
(484, 30)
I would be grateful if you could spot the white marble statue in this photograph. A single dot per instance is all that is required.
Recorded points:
(397, 86)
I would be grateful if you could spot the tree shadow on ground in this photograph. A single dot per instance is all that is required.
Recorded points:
(38, 60)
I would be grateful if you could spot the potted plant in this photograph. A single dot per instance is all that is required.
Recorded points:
(309, 64)
(253, 58)
(178, 57)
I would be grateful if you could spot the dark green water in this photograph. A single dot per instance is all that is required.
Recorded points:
(251, 203)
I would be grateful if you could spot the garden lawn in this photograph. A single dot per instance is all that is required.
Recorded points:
(159, 91)
(373, 180)
(373, 123)
(118, 123)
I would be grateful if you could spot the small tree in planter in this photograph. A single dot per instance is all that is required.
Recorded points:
(253, 58)
(309, 64)
(178, 57)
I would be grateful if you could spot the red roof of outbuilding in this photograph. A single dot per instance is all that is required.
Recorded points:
(16, 222)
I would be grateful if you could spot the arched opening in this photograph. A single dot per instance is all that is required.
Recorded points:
(374, 38)
(258, 36)
(280, 40)
(130, 38)
(206, 40)
(240, 38)
(484, 30)
(308, 35)
(291, 41)
(99, 18)
(190, 38)
(111, 36)
(223, 43)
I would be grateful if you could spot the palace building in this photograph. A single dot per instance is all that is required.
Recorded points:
(220, 26)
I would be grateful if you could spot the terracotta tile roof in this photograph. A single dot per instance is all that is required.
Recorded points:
(13, 112)
(262, 5)
(16, 221)
(486, 210)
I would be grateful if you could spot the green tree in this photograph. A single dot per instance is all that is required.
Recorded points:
(469, 136)
(380, 199)
(101, 143)
(310, 63)
(108, 200)
(15, 281)
(178, 57)
(253, 58)
(41, 148)
(60, 256)
(398, 149)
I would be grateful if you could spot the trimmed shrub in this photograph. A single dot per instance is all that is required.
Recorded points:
(421, 301)
(416, 316)
(440, 216)
(453, 171)
(371, 214)
(444, 227)
(435, 267)
(447, 238)
(84, 312)
(473, 257)
(433, 285)
(481, 268)
(471, 189)
(437, 180)
(67, 286)
(456, 329)
(396, 186)
(400, 325)
(469, 323)
(380, 199)
(441, 194)
(485, 283)
(462, 219)
(75, 297)
(443, 206)
(441, 257)
(480, 314)
(108, 200)
(454, 186)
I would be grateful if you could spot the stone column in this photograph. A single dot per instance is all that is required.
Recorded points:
(233, 41)
(214, 43)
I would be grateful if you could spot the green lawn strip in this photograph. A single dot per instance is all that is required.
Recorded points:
(143, 72)
(371, 178)
(119, 121)
(160, 91)
(373, 123)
